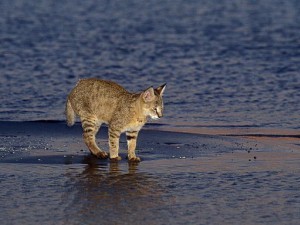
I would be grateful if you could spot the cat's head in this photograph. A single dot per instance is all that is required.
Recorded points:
(153, 102)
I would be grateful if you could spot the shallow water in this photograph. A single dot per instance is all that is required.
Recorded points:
(165, 192)
(48, 177)
(227, 63)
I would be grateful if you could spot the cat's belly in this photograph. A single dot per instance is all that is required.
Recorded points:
(133, 128)
(135, 125)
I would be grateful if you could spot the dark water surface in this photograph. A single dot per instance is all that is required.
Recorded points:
(48, 177)
(146, 194)
(227, 63)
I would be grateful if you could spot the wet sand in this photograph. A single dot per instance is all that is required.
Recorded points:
(47, 176)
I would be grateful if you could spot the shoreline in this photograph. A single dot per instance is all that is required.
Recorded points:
(220, 130)
(55, 137)
(216, 131)
(47, 172)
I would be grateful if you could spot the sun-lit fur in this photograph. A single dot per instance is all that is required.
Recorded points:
(98, 101)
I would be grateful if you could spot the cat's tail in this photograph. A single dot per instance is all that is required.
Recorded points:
(70, 114)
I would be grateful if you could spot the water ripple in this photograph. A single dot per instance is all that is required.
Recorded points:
(226, 63)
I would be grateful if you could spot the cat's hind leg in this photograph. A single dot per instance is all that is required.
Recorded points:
(90, 128)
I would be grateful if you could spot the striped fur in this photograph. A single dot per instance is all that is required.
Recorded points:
(98, 101)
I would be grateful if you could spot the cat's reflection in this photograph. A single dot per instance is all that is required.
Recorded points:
(115, 190)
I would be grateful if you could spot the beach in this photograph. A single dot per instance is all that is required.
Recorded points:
(227, 149)
(48, 177)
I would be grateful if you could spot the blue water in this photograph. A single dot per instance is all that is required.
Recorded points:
(227, 63)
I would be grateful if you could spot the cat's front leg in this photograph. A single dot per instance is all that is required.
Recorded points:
(114, 138)
(131, 142)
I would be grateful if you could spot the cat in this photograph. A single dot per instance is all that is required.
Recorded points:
(98, 101)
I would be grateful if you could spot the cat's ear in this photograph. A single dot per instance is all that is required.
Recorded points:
(161, 89)
(148, 95)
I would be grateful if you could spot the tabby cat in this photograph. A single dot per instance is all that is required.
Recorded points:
(98, 101)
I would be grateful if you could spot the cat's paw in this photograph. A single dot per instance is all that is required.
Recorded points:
(134, 159)
(102, 155)
(116, 159)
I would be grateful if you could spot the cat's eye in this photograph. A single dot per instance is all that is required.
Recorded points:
(154, 108)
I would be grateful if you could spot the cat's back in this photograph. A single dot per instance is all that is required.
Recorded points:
(99, 97)
(98, 85)
(96, 88)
